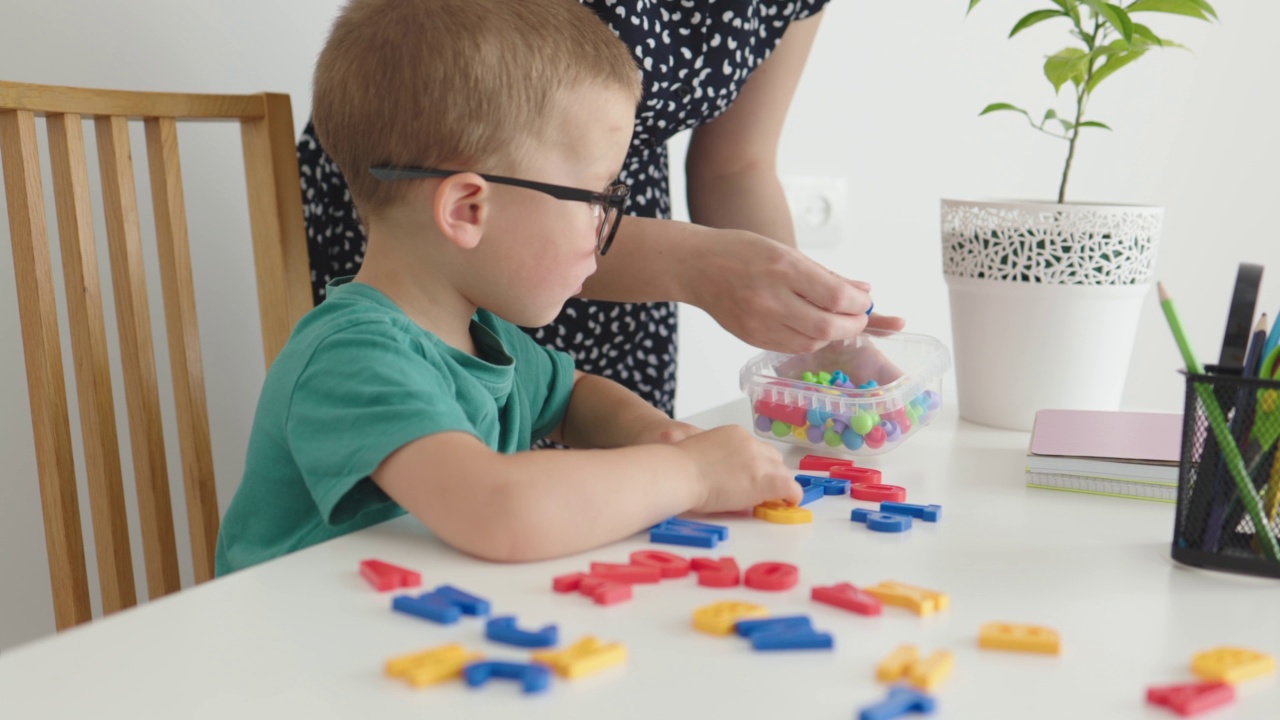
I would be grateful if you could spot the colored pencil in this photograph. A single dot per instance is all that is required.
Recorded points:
(1218, 425)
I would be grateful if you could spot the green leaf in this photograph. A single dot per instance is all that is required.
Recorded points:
(1032, 18)
(1072, 7)
(972, 5)
(1114, 62)
(1189, 8)
(996, 107)
(1052, 114)
(1093, 123)
(1116, 14)
(1206, 7)
(1144, 32)
(1067, 64)
(1113, 15)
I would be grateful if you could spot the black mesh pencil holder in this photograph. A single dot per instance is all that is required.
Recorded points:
(1227, 516)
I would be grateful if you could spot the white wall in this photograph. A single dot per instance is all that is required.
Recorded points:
(889, 101)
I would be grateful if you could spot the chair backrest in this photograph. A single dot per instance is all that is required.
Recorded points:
(279, 249)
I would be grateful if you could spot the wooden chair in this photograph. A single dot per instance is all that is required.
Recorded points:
(279, 247)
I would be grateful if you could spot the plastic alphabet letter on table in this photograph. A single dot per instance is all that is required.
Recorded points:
(720, 618)
(385, 576)
(929, 673)
(771, 576)
(900, 702)
(629, 574)
(848, 597)
(869, 476)
(431, 666)
(830, 486)
(584, 657)
(823, 463)
(777, 511)
(790, 623)
(504, 630)
(1231, 665)
(567, 583)
(1193, 698)
(717, 573)
(687, 532)
(469, 604)
(1023, 638)
(532, 678)
(928, 513)
(428, 606)
(897, 664)
(881, 522)
(813, 493)
(604, 591)
(794, 632)
(792, 640)
(877, 492)
(669, 565)
(918, 600)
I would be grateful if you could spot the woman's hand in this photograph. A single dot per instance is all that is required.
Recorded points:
(774, 297)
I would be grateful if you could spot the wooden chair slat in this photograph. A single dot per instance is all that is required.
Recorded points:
(42, 349)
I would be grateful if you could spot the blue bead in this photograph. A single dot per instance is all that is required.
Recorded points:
(852, 439)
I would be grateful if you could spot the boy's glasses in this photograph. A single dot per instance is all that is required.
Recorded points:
(607, 205)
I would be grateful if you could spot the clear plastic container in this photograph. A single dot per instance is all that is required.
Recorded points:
(860, 397)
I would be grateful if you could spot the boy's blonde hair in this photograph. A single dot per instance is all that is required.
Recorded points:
(457, 84)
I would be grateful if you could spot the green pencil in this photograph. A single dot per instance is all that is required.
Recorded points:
(1218, 424)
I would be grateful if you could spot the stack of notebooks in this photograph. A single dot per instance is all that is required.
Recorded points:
(1124, 454)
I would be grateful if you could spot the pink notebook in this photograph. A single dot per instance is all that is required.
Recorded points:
(1122, 435)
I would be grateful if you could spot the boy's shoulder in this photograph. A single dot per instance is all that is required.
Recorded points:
(348, 306)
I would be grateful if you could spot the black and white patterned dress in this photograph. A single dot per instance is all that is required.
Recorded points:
(695, 55)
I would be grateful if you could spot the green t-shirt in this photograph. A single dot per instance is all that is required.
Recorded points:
(358, 380)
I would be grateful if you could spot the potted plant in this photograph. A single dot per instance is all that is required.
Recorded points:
(1046, 296)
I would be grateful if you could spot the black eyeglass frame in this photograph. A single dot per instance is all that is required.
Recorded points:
(614, 199)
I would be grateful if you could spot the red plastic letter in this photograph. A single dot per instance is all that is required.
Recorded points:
(385, 576)
(848, 597)
(771, 576)
(717, 573)
(822, 462)
(669, 564)
(1191, 699)
(875, 492)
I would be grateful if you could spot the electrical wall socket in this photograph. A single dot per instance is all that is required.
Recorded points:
(817, 208)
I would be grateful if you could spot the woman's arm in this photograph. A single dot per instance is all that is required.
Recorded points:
(747, 276)
(732, 162)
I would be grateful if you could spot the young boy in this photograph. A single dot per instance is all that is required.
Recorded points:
(468, 130)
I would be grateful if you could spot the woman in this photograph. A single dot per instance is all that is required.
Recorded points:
(729, 69)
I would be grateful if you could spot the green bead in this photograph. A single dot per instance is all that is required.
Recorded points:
(781, 429)
(808, 377)
(862, 423)
(832, 438)
(824, 378)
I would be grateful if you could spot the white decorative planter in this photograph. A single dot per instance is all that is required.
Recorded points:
(1045, 302)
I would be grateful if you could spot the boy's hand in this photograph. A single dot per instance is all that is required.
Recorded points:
(737, 471)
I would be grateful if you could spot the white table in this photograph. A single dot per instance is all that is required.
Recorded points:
(306, 637)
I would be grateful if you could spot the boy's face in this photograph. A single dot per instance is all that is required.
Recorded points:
(537, 250)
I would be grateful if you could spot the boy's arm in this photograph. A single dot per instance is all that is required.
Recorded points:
(546, 503)
(538, 504)
(604, 414)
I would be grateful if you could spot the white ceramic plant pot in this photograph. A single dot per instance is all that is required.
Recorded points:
(1045, 302)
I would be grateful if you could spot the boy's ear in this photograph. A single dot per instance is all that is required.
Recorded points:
(461, 209)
